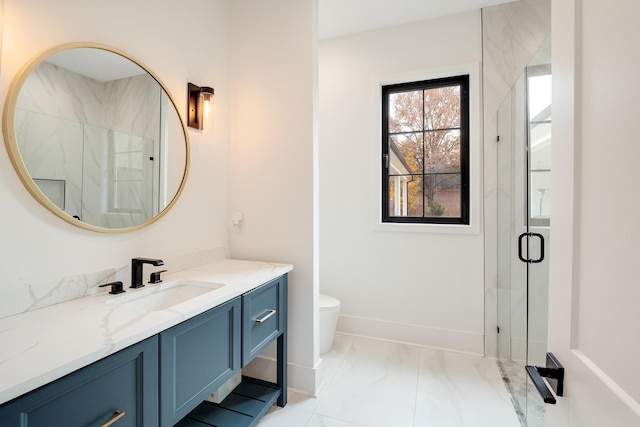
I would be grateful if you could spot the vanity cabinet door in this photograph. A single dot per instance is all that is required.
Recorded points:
(196, 357)
(264, 320)
(263, 317)
(123, 386)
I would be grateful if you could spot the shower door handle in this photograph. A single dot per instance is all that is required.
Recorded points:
(529, 260)
(554, 372)
(520, 237)
(535, 261)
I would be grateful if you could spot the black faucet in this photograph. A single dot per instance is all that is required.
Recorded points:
(136, 270)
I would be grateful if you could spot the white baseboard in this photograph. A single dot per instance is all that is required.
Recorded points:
(446, 339)
(309, 380)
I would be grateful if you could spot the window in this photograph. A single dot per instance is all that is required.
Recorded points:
(130, 177)
(425, 148)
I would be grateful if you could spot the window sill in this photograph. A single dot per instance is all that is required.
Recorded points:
(427, 228)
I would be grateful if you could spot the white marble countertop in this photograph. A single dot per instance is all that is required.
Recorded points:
(42, 345)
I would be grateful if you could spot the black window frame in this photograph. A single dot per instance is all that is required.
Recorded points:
(387, 90)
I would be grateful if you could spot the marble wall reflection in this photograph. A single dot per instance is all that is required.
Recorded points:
(100, 138)
(62, 152)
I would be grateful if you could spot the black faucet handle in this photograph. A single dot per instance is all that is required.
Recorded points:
(116, 287)
(155, 276)
(152, 261)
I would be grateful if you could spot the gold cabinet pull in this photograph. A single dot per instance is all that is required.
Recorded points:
(117, 414)
(268, 315)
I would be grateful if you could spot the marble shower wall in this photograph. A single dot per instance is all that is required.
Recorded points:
(78, 118)
(511, 35)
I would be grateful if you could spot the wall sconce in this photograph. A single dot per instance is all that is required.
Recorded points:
(198, 105)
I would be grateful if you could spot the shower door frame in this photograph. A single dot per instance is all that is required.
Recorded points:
(522, 268)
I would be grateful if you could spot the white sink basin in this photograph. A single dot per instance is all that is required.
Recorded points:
(165, 295)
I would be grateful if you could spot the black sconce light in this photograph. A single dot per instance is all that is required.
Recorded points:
(198, 105)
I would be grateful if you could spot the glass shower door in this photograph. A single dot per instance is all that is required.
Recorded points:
(524, 170)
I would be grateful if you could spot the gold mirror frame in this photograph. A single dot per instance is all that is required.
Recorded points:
(11, 143)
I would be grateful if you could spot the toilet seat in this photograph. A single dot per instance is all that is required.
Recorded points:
(329, 311)
(328, 303)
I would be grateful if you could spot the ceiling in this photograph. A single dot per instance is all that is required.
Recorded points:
(336, 18)
(344, 17)
(98, 64)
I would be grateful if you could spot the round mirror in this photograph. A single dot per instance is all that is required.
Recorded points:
(96, 137)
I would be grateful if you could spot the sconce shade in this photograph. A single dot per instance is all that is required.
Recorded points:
(196, 96)
(206, 92)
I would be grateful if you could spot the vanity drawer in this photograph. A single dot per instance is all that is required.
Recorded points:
(262, 317)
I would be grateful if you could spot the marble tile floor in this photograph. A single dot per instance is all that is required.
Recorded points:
(372, 383)
(526, 400)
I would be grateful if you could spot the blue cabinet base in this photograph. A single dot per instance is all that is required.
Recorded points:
(244, 407)
(164, 378)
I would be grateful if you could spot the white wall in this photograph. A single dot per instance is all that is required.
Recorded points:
(1, 23)
(420, 287)
(37, 245)
(271, 169)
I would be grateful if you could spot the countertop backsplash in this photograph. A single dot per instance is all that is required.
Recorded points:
(25, 296)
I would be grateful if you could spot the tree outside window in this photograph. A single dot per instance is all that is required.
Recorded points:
(426, 151)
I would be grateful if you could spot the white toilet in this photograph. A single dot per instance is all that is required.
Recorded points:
(329, 312)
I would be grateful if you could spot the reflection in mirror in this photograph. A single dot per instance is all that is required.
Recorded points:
(99, 138)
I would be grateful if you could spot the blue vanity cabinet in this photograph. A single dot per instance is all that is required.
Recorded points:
(164, 380)
(196, 357)
(264, 320)
(122, 387)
